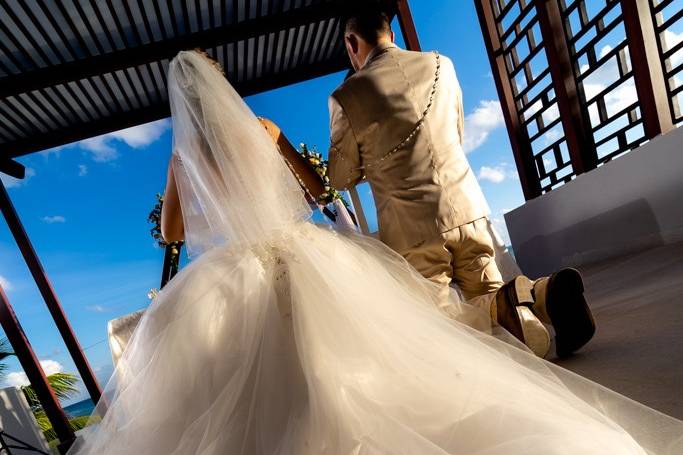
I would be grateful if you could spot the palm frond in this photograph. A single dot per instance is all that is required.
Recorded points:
(63, 384)
(5, 349)
(45, 425)
(78, 423)
(5, 352)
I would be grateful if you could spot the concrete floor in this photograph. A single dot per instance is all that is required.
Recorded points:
(637, 302)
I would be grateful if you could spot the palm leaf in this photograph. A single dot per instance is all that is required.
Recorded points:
(63, 384)
(77, 423)
(5, 351)
(45, 425)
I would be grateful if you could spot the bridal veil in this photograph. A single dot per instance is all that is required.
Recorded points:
(286, 338)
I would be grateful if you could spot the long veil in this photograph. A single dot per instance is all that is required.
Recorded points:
(209, 116)
(233, 186)
(365, 365)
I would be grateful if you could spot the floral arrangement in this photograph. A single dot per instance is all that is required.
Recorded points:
(320, 166)
(172, 260)
(155, 219)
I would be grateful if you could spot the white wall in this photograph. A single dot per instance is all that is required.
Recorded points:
(17, 420)
(629, 204)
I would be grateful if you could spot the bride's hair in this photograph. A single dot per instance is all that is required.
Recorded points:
(216, 65)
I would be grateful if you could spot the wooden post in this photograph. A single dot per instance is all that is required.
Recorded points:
(405, 20)
(648, 72)
(519, 140)
(171, 261)
(358, 209)
(12, 168)
(49, 295)
(575, 120)
(34, 373)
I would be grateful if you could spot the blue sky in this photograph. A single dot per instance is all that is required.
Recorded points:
(85, 206)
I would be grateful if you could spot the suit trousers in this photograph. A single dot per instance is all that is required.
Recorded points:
(464, 255)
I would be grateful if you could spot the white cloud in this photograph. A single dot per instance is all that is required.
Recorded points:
(497, 174)
(5, 283)
(616, 99)
(54, 219)
(625, 94)
(82, 170)
(97, 309)
(672, 39)
(11, 182)
(478, 125)
(19, 378)
(100, 148)
(103, 147)
(492, 174)
(56, 151)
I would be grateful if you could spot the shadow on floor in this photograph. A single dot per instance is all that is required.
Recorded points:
(637, 302)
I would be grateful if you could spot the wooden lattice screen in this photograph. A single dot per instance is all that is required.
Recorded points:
(583, 81)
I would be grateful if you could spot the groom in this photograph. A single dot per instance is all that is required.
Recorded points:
(398, 122)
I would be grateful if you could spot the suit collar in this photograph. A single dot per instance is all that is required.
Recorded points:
(379, 50)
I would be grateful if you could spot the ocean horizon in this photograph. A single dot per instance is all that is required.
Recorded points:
(80, 409)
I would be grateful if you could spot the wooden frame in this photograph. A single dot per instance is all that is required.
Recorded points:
(584, 137)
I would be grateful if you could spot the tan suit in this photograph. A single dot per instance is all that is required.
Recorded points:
(428, 199)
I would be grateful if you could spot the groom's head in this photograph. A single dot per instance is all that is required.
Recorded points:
(366, 24)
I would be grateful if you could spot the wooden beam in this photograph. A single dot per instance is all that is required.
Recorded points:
(12, 168)
(648, 72)
(166, 49)
(35, 374)
(49, 295)
(575, 119)
(408, 30)
(519, 140)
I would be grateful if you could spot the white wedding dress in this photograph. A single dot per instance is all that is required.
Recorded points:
(283, 337)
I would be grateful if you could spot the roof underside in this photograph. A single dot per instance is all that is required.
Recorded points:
(72, 69)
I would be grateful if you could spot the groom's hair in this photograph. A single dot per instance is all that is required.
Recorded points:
(369, 19)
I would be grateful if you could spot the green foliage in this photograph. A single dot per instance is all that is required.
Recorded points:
(320, 166)
(5, 351)
(63, 384)
(155, 219)
(76, 423)
(45, 425)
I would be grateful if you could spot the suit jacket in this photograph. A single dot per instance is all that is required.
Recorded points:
(426, 187)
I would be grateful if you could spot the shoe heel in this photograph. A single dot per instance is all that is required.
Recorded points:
(524, 291)
(536, 336)
(570, 314)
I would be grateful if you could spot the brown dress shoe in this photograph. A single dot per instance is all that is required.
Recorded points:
(513, 312)
(560, 302)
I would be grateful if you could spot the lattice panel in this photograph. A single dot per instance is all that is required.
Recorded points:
(600, 52)
(668, 19)
(528, 70)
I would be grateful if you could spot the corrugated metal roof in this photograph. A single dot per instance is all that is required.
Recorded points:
(71, 69)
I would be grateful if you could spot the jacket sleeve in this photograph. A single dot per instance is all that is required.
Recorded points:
(344, 156)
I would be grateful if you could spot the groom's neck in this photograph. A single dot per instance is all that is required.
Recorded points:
(382, 41)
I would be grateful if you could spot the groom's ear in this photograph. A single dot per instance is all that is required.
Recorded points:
(352, 43)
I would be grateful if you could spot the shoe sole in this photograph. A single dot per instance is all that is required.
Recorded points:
(536, 336)
(533, 333)
(569, 313)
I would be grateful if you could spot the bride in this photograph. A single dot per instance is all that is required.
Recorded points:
(283, 337)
